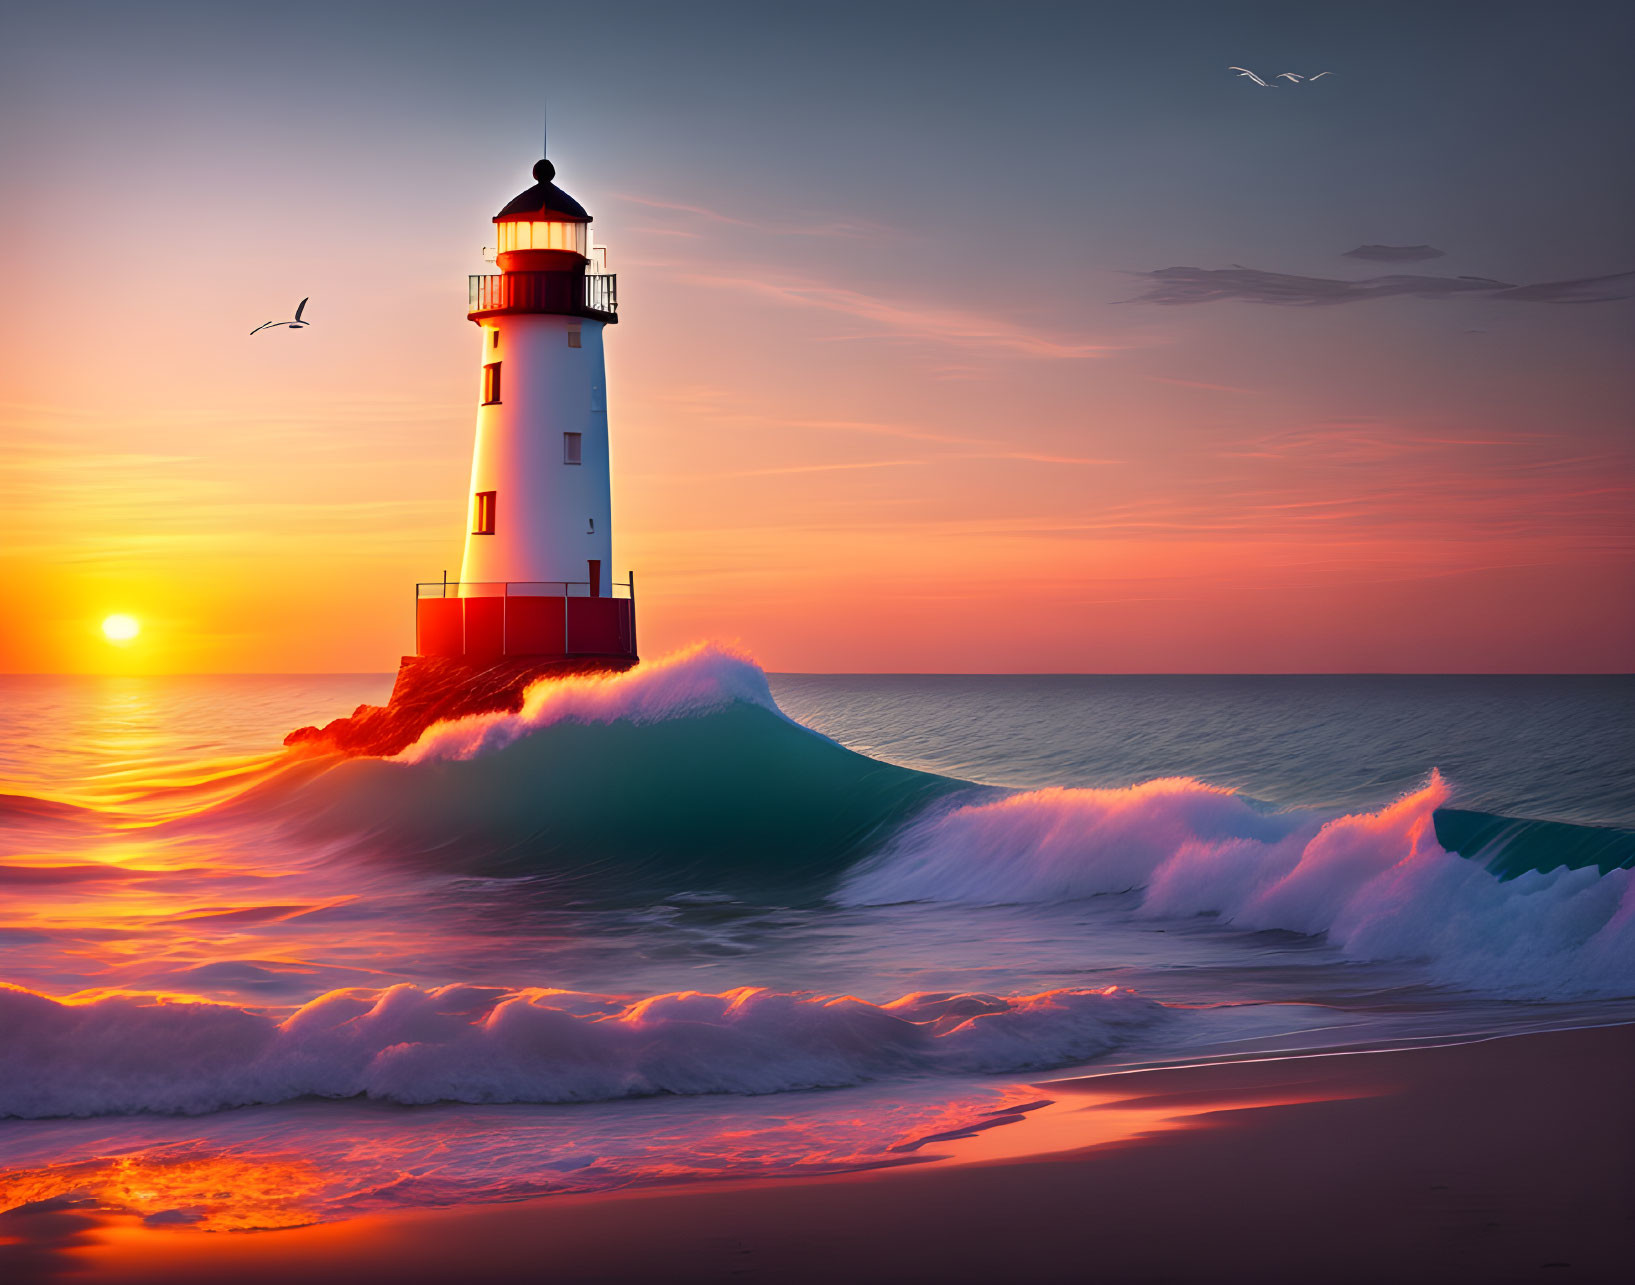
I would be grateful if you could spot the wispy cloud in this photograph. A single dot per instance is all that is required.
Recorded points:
(832, 228)
(928, 322)
(1251, 285)
(726, 406)
(717, 406)
(1363, 442)
(1394, 253)
(790, 469)
(1032, 457)
(1195, 383)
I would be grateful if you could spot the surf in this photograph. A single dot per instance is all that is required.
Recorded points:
(1378, 885)
(684, 774)
(474, 1044)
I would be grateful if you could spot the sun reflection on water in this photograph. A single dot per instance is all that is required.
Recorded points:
(211, 1192)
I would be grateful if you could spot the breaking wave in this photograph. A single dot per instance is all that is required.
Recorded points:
(1379, 885)
(684, 773)
(471, 1044)
(680, 767)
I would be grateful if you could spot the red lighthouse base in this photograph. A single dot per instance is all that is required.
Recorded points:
(504, 622)
(434, 689)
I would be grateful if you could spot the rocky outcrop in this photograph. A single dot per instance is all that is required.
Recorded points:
(434, 689)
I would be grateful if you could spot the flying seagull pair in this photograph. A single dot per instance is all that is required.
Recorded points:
(293, 325)
(1290, 76)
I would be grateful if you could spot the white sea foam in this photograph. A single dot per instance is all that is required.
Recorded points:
(123, 1053)
(1378, 884)
(686, 683)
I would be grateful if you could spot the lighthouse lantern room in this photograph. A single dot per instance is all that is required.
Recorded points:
(537, 576)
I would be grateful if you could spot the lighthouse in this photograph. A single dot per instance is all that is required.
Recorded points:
(537, 579)
(538, 596)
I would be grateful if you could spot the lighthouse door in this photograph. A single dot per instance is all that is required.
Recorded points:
(595, 577)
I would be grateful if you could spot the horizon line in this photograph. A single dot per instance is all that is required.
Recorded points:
(905, 673)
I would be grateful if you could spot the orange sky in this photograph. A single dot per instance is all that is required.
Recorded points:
(859, 423)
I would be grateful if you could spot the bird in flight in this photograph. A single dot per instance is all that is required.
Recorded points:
(293, 325)
(1292, 77)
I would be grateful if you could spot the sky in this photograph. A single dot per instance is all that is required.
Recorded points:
(953, 338)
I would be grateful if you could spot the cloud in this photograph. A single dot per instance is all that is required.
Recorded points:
(1581, 290)
(1194, 383)
(81, 873)
(1394, 253)
(720, 406)
(931, 322)
(1377, 438)
(832, 228)
(847, 466)
(1252, 285)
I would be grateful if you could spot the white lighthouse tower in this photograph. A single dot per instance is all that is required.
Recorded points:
(537, 579)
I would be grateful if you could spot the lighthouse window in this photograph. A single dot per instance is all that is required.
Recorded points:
(482, 513)
(573, 334)
(491, 383)
(494, 340)
(572, 448)
(536, 235)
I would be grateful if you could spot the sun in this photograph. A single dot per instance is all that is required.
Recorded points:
(121, 629)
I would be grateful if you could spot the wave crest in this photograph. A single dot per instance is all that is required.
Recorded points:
(122, 1053)
(696, 680)
(1378, 884)
(678, 769)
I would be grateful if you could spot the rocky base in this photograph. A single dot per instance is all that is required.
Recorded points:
(434, 689)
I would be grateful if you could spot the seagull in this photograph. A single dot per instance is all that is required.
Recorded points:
(293, 325)
(1293, 78)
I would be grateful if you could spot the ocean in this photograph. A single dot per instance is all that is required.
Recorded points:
(699, 922)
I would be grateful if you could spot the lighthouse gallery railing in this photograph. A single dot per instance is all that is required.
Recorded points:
(543, 291)
(492, 618)
(521, 589)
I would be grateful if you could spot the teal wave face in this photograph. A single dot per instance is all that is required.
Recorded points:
(1511, 847)
(736, 794)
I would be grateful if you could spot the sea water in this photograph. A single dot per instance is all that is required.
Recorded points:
(697, 922)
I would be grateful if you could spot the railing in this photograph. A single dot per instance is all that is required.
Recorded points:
(558, 292)
(521, 589)
(602, 292)
(541, 618)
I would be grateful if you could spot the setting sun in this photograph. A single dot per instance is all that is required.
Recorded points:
(121, 629)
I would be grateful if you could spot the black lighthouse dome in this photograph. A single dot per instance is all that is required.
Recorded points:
(543, 251)
(545, 200)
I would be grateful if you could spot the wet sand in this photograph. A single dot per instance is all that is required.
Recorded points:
(1505, 1160)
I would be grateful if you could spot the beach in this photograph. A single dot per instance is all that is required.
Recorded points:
(1508, 1159)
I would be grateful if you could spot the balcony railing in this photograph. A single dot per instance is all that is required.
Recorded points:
(539, 618)
(559, 292)
(602, 292)
(522, 589)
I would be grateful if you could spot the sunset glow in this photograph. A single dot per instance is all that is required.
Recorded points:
(852, 417)
(121, 629)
